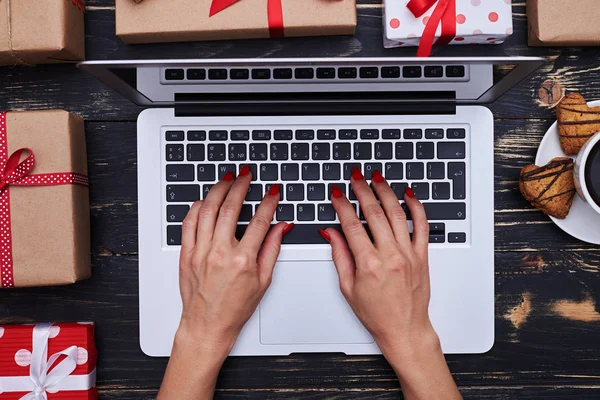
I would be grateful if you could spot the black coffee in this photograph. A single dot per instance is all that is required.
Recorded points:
(592, 173)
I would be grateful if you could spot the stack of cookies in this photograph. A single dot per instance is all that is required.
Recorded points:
(551, 188)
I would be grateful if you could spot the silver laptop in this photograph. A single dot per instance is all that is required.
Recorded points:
(305, 123)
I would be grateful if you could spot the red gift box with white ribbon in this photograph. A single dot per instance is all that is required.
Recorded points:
(48, 361)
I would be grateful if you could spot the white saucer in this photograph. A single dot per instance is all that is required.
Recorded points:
(582, 222)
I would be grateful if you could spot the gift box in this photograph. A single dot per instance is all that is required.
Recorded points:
(48, 361)
(425, 22)
(41, 32)
(44, 205)
(152, 21)
(560, 23)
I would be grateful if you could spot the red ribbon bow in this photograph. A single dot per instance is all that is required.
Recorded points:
(18, 173)
(274, 14)
(444, 13)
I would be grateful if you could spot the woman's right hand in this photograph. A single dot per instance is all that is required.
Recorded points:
(386, 282)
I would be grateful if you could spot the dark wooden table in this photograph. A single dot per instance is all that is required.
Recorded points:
(547, 283)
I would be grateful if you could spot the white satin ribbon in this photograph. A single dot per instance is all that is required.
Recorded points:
(42, 381)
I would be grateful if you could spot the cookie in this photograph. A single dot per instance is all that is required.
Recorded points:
(577, 122)
(550, 188)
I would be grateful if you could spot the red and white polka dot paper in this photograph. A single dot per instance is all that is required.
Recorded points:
(477, 22)
(16, 346)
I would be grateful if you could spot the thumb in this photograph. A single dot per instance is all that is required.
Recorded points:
(342, 258)
(267, 256)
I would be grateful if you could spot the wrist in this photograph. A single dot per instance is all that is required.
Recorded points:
(194, 339)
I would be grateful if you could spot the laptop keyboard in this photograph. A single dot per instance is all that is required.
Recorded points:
(308, 160)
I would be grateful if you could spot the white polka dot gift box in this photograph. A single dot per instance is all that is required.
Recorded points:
(44, 203)
(48, 361)
(425, 22)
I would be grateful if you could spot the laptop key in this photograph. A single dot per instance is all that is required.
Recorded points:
(369, 72)
(456, 133)
(347, 73)
(283, 134)
(369, 134)
(437, 227)
(451, 150)
(237, 152)
(435, 170)
(206, 190)
(239, 73)
(171, 136)
(217, 136)
(457, 237)
(195, 152)
(342, 151)
(404, 151)
(255, 192)
(282, 73)
(300, 151)
(279, 151)
(268, 186)
(434, 133)
(258, 151)
(174, 152)
(246, 213)
(177, 213)
(421, 190)
(325, 73)
(390, 72)
(269, 172)
(206, 172)
(455, 71)
(310, 172)
(390, 134)
(261, 73)
(383, 151)
(394, 171)
(216, 152)
(261, 135)
(240, 135)
(326, 134)
(440, 191)
(305, 134)
(348, 167)
(362, 151)
(441, 211)
(457, 172)
(348, 134)
(330, 186)
(253, 170)
(411, 134)
(174, 74)
(290, 172)
(195, 74)
(331, 172)
(399, 189)
(285, 212)
(321, 151)
(315, 191)
(425, 150)
(415, 171)
(225, 168)
(183, 193)
(437, 238)
(325, 212)
(180, 173)
(304, 73)
(370, 167)
(305, 212)
(294, 192)
(196, 136)
(174, 235)
(217, 74)
(411, 72)
(434, 71)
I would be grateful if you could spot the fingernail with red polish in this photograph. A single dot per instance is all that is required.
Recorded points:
(356, 174)
(410, 193)
(228, 176)
(274, 190)
(245, 170)
(377, 177)
(336, 192)
(325, 235)
(288, 228)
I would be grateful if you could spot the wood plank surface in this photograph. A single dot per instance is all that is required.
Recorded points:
(547, 283)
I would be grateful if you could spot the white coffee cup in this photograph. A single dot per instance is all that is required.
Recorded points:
(579, 172)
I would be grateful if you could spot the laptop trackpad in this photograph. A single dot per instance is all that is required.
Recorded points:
(304, 305)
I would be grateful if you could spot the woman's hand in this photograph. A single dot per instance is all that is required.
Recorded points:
(386, 282)
(222, 280)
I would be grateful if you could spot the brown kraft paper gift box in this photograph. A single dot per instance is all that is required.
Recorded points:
(50, 225)
(152, 21)
(563, 23)
(41, 32)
